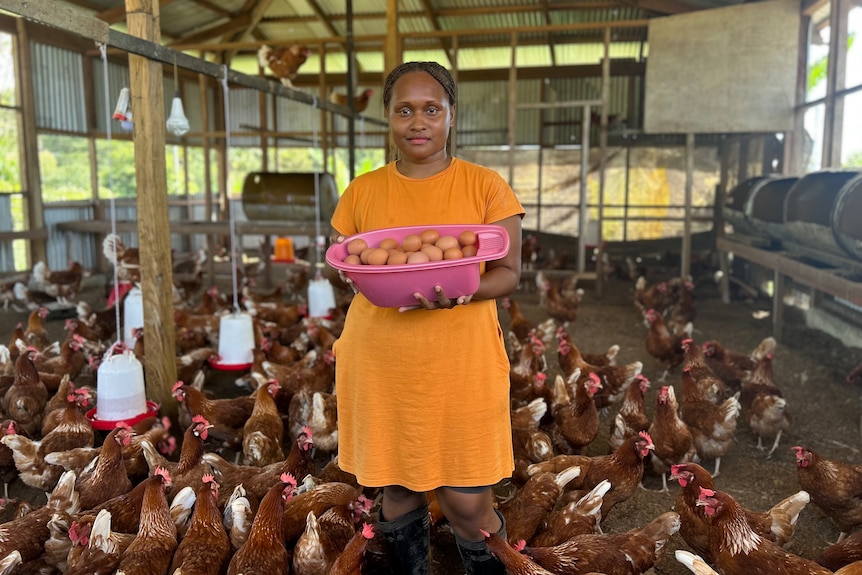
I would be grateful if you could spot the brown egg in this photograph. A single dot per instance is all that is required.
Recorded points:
(453, 254)
(377, 257)
(446, 242)
(411, 243)
(430, 236)
(434, 253)
(388, 244)
(467, 238)
(355, 246)
(353, 260)
(469, 251)
(364, 255)
(397, 258)
(418, 258)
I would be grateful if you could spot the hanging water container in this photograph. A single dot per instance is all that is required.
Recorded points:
(121, 395)
(133, 315)
(235, 342)
(321, 297)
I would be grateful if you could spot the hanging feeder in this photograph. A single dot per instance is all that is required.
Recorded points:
(235, 342)
(121, 395)
(177, 123)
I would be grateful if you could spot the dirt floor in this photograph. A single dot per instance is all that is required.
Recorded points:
(809, 367)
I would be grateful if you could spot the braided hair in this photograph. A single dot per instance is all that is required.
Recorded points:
(433, 69)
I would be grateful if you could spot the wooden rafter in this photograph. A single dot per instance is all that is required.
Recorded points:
(235, 23)
(213, 7)
(445, 43)
(547, 11)
(258, 9)
(118, 13)
(325, 19)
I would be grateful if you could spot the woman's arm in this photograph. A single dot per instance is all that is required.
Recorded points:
(502, 276)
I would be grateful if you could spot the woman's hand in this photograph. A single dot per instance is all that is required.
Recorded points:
(338, 239)
(442, 302)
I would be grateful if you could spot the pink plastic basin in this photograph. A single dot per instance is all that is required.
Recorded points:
(394, 285)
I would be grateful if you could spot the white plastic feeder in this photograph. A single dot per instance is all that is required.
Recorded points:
(120, 388)
(321, 297)
(133, 315)
(235, 340)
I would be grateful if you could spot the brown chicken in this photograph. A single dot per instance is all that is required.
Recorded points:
(25, 400)
(263, 433)
(73, 430)
(226, 416)
(632, 412)
(205, 549)
(512, 559)
(8, 470)
(350, 560)
(264, 551)
(835, 487)
(318, 499)
(628, 553)
(71, 362)
(576, 423)
(258, 480)
(683, 311)
(62, 284)
(738, 550)
(624, 468)
(560, 298)
(577, 518)
(855, 376)
(324, 421)
(29, 533)
(734, 367)
(706, 380)
(321, 543)
(614, 378)
(777, 524)
(662, 344)
(102, 322)
(153, 548)
(284, 61)
(657, 296)
(191, 467)
(764, 407)
(671, 436)
(108, 479)
(36, 334)
(847, 551)
(127, 260)
(533, 502)
(360, 102)
(518, 323)
(529, 443)
(712, 426)
(96, 550)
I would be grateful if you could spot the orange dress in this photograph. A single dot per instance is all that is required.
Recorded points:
(423, 396)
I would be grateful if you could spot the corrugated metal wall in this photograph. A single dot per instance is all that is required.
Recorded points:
(58, 79)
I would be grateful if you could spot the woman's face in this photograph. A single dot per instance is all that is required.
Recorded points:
(419, 117)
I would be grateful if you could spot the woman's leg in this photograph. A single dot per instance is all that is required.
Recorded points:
(469, 512)
(404, 522)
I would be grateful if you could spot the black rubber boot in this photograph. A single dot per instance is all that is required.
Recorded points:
(477, 559)
(408, 539)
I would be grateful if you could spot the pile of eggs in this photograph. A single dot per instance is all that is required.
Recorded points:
(427, 246)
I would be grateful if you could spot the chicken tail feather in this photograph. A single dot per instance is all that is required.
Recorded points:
(263, 56)
(40, 272)
(113, 248)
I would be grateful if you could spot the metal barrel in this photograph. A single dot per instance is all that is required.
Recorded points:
(764, 207)
(288, 196)
(734, 205)
(808, 209)
(847, 218)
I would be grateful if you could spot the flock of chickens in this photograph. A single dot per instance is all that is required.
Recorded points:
(251, 484)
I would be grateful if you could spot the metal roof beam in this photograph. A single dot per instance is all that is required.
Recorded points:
(324, 17)
(235, 23)
(118, 13)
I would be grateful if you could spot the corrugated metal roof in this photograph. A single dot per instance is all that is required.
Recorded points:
(58, 85)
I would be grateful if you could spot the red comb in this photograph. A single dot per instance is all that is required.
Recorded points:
(176, 386)
(367, 531)
(288, 478)
(519, 545)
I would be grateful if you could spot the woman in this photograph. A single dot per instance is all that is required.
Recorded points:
(423, 391)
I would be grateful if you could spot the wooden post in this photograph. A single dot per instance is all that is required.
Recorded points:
(154, 239)
(513, 112)
(689, 184)
(391, 58)
(203, 87)
(29, 153)
(603, 162)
